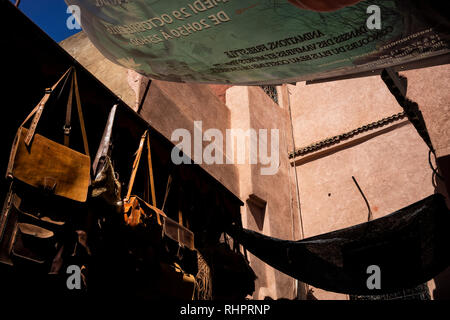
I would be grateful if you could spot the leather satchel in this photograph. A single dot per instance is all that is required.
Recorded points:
(135, 208)
(138, 211)
(43, 163)
(25, 237)
(174, 242)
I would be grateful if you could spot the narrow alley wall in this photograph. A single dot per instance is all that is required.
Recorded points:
(390, 163)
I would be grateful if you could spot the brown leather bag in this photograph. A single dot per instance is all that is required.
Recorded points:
(24, 236)
(136, 209)
(173, 281)
(43, 163)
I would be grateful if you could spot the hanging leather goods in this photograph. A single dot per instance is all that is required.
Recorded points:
(43, 163)
(165, 233)
(136, 209)
(25, 237)
(105, 184)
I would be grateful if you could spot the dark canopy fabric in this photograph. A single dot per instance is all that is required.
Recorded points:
(410, 246)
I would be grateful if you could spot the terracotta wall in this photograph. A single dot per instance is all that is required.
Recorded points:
(269, 207)
(389, 163)
(220, 90)
(170, 106)
(113, 76)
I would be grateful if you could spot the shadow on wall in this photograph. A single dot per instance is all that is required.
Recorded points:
(442, 280)
(256, 208)
(220, 91)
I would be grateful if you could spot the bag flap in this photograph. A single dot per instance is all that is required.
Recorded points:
(52, 167)
(178, 233)
(35, 231)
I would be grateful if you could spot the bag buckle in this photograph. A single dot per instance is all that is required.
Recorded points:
(48, 90)
(179, 252)
(67, 129)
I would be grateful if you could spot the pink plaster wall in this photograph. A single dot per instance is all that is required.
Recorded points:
(252, 108)
(170, 106)
(220, 90)
(429, 87)
(389, 163)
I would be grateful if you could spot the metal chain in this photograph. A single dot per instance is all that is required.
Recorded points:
(336, 139)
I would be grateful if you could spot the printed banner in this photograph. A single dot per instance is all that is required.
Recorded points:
(263, 41)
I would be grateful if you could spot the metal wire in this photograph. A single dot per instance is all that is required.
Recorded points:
(369, 215)
(298, 283)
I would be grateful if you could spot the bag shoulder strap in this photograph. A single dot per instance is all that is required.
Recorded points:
(150, 171)
(39, 108)
(67, 126)
(80, 115)
(135, 167)
(37, 111)
(144, 139)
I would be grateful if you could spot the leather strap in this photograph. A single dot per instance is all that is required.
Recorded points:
(37, 111)
(180, 211)
(135, 167)
(150, 170)
(39, 108)
(145, 138)
(159, 212)
(67, 127)
(80, 115)
(147, 187)
(169, 183)
(180, 217)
